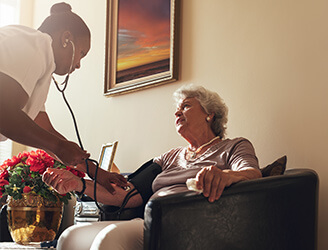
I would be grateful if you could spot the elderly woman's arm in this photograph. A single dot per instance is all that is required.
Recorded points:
(64, 181)
(213, 180)
(104, 178)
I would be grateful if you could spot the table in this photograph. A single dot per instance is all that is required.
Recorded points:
(13, 245)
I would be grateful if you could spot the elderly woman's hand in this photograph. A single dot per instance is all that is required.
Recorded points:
(213, 181)
(62, 181)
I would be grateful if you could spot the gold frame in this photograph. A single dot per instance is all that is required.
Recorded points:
(111, 87)
(104, 151)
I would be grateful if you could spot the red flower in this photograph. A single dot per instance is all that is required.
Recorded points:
(27, 189)
(12, 162)
(39, 161)
(3, 166)
(76, 172)
(3, 182)
(23, 156)
(21, 169)
(4, 174)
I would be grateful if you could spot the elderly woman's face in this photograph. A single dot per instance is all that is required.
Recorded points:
(190, 116)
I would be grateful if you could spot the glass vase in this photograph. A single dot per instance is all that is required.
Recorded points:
(33, 219)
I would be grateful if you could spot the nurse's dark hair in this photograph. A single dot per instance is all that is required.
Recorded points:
(62, 18)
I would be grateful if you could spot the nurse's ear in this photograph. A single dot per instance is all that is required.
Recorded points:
(65, 38)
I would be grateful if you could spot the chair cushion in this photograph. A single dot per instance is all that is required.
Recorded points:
(278, 167)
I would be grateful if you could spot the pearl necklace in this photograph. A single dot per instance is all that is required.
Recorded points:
(195, 152)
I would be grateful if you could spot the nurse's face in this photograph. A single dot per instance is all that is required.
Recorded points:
(64, 55)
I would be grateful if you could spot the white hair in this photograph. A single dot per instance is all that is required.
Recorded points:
(211, 103)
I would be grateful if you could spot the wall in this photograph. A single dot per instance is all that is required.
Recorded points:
(267, 59)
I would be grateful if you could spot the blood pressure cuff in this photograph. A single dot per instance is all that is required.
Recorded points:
(143, 179)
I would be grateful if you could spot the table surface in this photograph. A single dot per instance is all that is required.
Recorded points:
(13, 245)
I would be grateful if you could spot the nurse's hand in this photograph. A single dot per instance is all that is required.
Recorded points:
(70, 153)
(104, 178)
(109, 178)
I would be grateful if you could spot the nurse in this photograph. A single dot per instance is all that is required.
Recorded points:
(28, 59)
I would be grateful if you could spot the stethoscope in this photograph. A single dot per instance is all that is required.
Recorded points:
(62, 91)
(69, 72)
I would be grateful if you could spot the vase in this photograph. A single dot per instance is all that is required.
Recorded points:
(33, 219)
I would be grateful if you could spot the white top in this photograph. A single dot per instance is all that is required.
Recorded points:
(235, 154)
(26, 55)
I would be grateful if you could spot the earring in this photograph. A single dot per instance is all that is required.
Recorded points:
(66, 42)
(208, 118)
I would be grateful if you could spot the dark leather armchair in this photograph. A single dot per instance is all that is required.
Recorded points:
(277, 212)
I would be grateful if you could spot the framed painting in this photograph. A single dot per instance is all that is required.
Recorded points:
(141, 44)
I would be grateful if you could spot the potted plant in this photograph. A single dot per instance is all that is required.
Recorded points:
(34, 209)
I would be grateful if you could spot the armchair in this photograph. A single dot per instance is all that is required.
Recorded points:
(276, 212)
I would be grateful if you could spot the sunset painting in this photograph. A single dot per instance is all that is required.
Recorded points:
(143, 42)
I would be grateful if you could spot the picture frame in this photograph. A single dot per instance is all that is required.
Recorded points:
(142, 44)
(107, 155)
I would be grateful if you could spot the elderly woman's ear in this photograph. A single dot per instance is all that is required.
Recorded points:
(210, 117)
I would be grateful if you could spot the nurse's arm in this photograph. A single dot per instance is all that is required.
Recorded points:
(19, 127)
(42, 119)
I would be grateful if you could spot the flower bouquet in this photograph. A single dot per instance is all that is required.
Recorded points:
(22, 174)
(34, 209)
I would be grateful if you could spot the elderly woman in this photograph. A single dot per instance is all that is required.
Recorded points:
(213, 161)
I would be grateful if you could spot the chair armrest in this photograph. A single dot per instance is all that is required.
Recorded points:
(278, 212)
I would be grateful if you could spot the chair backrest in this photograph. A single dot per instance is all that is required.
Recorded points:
(278, 212)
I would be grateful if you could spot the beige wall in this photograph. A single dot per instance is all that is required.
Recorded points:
(268, 59)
